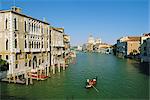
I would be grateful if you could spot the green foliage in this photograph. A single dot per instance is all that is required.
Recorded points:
(3, 65)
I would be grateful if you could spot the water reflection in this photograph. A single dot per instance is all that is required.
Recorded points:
(142, 67)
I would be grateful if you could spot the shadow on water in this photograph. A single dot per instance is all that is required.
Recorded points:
(8, 97)
(143, 67)
(4, 93)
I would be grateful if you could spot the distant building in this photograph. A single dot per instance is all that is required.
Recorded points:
(103, 48)
(79, 48)
(96, 45)
(91, 40)
(127, 46)
(84, 47)
(97, 41)
(90, 43)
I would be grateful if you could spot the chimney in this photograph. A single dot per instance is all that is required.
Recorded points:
(16, 9)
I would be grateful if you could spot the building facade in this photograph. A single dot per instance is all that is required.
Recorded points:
(57, 48)
(145, 48)
(30, 45)
(128, 46)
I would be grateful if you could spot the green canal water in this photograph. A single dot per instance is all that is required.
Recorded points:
(117, 79)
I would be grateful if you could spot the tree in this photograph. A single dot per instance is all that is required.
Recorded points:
(4, 66)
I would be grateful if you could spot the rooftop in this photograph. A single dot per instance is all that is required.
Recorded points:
(18, 12)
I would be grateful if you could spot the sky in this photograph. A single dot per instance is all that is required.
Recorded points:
(105, 19)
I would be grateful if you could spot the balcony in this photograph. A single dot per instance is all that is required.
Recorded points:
(26, 50)
(35, 50)
(16, 50)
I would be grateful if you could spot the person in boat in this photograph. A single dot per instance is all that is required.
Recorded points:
(91, 82)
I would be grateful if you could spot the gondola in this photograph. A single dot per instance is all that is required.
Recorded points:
(91, 82)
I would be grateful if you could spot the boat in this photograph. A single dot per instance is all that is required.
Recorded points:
(41, 77)
(91, 82)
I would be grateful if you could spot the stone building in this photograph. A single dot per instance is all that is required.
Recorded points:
(24, 41)
(145, 48)
(67, 50)
(57, 48)
(30, 45)
(128, 46)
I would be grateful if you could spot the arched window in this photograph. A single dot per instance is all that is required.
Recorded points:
(39, 44)
(16, 66)
(25, 26)
(30, 63)
(29, 26)
(29, 44)
(42, 44)
(32, 27)
(25, 44)
(26, 56)
(39, 61)
(32, 44)
(7, 44)
(15, 43)
(6, 23)
(15, 23)
(41, 29)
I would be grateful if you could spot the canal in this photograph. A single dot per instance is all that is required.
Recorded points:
(117, 79)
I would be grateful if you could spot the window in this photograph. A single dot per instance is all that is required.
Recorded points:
(32, 27)
(6, 57)
(16, 57)
(25, 26)
(42, 30)
(32, 44)
(7, 44)
(25, 56)
(42, 44)
(16, 66)
(25, 44)
(39, 61)
(29, 44)
(15, 23)
(15, 43)
(39, 44)
(26, 64)
(6, 23)
(145, 54)
(144, 48)
(29, 26)
(30, 63)
(47, 31)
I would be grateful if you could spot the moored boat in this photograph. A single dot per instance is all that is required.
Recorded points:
(40, 77)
